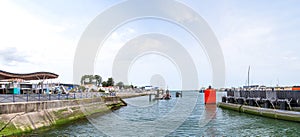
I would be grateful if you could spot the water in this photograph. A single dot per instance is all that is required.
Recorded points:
(144, 118)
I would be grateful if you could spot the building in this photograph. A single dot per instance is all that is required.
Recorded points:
(15, 83)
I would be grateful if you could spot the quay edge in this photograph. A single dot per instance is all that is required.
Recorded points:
(265, 112)
(15, 122)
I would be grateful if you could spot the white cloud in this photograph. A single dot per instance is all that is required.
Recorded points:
(107, 53)
(122, 35)
(11, 56)
(255, 39)
(41, 42)
(267, 42)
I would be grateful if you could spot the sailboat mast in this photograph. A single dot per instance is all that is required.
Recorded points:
(249, 76)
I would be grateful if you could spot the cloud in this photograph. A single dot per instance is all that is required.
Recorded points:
(110, 48)
(32, 43)
(262, 39)
(11, 56)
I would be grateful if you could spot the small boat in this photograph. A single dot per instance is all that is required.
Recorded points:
(202, 90)
(178, 94)
(167, 96)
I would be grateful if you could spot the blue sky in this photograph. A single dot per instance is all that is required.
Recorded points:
(42, 36)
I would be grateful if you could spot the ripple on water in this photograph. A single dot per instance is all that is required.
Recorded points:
(224, 123)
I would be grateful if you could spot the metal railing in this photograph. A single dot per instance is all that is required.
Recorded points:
(8, 98)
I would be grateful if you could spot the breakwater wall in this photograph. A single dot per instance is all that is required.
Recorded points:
(17, 118)
(265, 112)
(131, 95)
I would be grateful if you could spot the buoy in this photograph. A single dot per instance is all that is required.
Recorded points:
(210, 96)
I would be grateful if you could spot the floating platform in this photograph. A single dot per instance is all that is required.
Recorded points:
(274, 99)
(265, 112)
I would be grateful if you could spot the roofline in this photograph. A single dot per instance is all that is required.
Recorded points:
(28, 76)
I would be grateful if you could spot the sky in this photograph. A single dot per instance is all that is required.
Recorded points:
(43, 35)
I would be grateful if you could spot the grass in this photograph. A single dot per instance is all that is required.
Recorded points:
(10, 130)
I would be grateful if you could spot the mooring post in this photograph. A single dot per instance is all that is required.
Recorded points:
(150, 97)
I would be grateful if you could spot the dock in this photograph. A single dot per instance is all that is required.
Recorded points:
(277, 104)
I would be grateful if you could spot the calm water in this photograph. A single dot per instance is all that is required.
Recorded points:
(162, 118)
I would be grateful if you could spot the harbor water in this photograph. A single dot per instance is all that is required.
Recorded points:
(186, 116)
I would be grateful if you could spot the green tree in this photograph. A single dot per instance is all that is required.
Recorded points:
(99, 80)
(91, 79)
(110, 82)
(104, 84)
(83, 78)
(120, 84)
(82, 88)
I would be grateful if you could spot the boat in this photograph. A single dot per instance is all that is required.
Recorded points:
(178, 94)
(166, 96)
(202, 90)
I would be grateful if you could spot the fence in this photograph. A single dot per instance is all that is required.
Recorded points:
(266, 94)
(7, 98)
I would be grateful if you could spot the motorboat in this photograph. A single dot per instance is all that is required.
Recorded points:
(166, 96)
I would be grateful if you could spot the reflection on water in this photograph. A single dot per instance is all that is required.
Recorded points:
(204, 120)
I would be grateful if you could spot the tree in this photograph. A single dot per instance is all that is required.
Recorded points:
(82, 80)
(91, 79)
(120, 84)
(82, 88)
(104, 84)
(110, 82)
(99, 80)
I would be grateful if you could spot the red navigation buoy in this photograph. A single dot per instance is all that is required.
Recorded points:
(210, 96)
